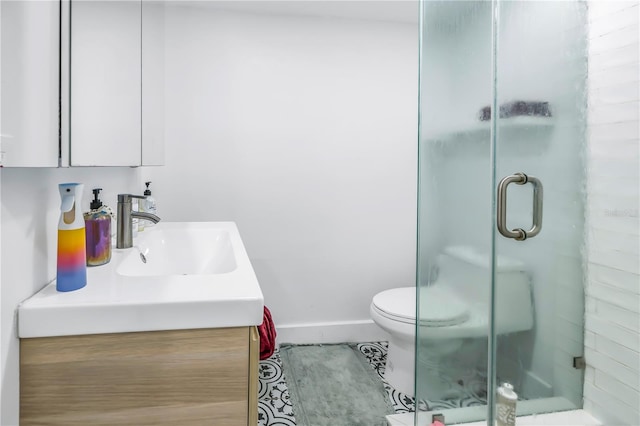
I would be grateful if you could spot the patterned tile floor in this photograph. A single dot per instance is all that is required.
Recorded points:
(274, 405)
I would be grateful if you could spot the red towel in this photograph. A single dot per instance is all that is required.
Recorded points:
(267, 335)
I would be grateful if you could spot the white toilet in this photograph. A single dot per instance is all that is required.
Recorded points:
(454, 307)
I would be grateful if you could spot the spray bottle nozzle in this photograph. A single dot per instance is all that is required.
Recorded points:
(147, 191)
(96, 203)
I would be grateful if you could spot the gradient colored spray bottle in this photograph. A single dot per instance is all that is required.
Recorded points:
(72, 260)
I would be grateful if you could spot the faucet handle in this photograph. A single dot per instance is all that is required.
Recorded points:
(126, 198)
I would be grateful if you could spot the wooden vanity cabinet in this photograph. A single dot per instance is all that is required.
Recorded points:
(175, 377)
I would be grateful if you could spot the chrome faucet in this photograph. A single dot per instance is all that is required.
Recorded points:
(124, 235)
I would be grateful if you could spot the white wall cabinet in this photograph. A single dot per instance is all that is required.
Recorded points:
(116, 119)
(72, 83)
(30, 83)
(106, 83)
(153, 78)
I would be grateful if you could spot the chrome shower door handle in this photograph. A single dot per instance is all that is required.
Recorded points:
(519, 234)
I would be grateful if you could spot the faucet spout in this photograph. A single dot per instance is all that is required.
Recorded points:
(124, 234)
(146, 216)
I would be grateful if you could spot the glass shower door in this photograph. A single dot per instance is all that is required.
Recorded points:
(455, 224)
(540, 87)
(502, 87)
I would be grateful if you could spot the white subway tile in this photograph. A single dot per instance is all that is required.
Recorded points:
(600, 8)
(615, 387)
(621, 150)
(589, 339)
(602, 362)
(614, 113)
(622, 224)
(615, 259)
(627, 299)
(614, 58)
(612, 91)
(613, 206)
(614, 39)
(623, 168)
(613, 225)
(612, 76)
(614, 277)
(590, 374)
(621, 298)
(614, 241)
(623, 317)
(588, 406)
(613, 131)
(600, 169)
(622, 189)
(628, 415)
(615, 21)
(605, 415)
(622, 354)
(619, 334)
(622, 201)
(613, 186)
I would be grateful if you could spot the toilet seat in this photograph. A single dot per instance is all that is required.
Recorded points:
(439, 307)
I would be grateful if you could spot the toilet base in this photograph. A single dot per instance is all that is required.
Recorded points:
(400, 369)
(433, 381)
(433, 385)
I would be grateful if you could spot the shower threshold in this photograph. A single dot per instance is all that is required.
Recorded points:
(564, 413)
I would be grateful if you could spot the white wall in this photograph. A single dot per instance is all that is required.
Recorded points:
(29, 214)
(612, 336)
(302, 129)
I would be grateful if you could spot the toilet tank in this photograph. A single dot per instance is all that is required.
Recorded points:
(466, 271)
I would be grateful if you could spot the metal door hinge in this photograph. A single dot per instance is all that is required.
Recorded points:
(579, 363)
(437, 417)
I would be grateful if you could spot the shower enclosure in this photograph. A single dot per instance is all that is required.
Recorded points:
(501, 198)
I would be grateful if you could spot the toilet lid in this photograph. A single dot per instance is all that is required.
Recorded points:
(439, 307)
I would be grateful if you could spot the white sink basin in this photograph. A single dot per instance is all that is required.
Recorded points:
(197, 275)
(181, 249)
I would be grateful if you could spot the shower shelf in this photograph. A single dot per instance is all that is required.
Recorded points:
(511, 126)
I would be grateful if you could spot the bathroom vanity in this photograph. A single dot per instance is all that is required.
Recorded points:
(185, 377)
(168, 340)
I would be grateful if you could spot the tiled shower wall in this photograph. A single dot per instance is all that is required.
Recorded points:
(612, 342)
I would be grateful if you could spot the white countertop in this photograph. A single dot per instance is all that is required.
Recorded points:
(112, 303)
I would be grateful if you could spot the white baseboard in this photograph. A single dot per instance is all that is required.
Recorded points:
(331, 332)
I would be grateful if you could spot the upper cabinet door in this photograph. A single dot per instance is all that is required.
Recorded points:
(153, 44)
(105, 88)
(30, 83)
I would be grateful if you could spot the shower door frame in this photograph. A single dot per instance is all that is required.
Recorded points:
(496, 174)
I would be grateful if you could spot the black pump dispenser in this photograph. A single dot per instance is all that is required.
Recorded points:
(96, 203)
(147, 191)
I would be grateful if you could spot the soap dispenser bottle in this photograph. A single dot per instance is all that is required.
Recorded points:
(72, 268)
(97, 222)
(147, 205)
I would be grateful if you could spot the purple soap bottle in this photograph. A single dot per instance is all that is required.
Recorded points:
(97, 223)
